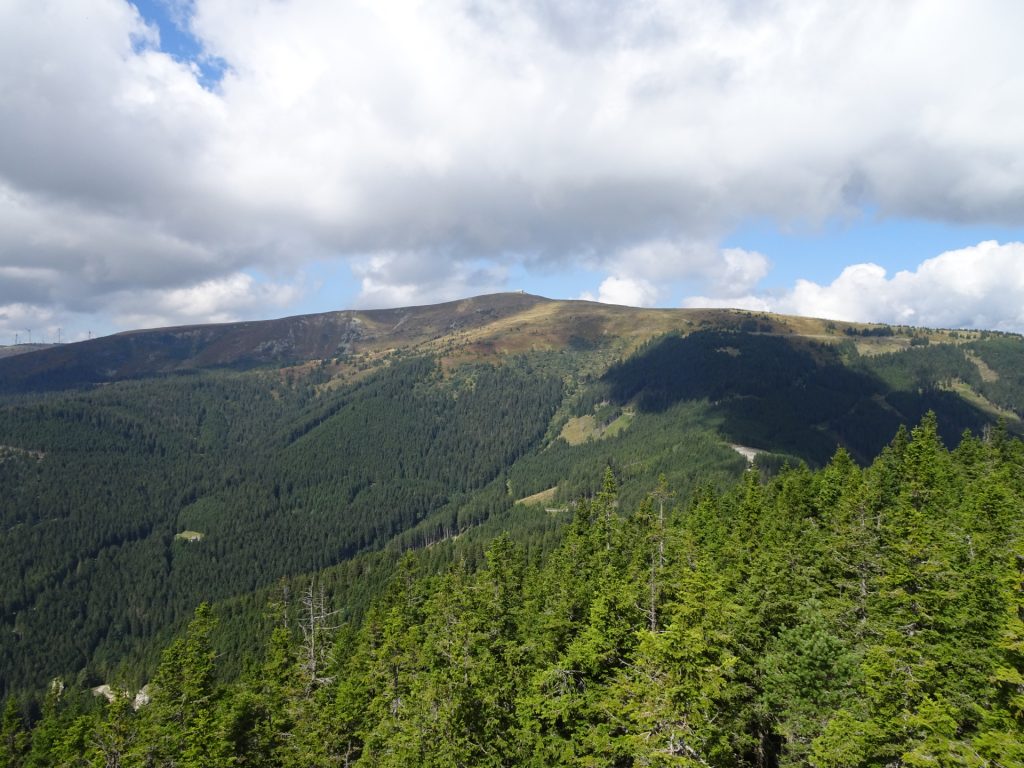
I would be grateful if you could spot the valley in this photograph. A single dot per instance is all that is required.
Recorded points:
(147, 473)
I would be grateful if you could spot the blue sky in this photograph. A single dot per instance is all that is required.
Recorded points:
(177, 161)
(171, 19)
(820, 253)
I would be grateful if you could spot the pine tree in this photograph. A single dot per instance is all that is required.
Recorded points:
(260, 713)
(14, 739)
(395, 639)
(116, 735)
(182, 724)
(669, 694)
(807, 675)
(1001, 740)
(59, 737)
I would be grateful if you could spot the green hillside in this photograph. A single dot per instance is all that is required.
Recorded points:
(231, 462)
(838, 618)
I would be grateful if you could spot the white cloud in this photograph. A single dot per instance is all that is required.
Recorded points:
(977, 287)
(741, 271)
(472, 135)
(642, 273)
(218, 300)
(626, 291)
(21, 323)
(400, 279)
(751, 302)
(665, 259)
(981, 286)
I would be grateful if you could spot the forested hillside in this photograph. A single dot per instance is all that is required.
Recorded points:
(839, 618)
(275, 480)
(222, 469)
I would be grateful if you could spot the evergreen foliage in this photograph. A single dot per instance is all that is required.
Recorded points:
(283, 473)
(279, 480)
(839, 618)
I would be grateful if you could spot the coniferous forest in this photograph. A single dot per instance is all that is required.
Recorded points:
(509, 531)
(839, 617)
(277, 491)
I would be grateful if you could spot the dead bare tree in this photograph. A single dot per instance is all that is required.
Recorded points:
(661, 494)
(316, 633)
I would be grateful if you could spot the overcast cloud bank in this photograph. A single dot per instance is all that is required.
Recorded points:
(436, 145)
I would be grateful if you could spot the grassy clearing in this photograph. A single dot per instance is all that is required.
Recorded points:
(980, 401)
(880, 345)
(986, 373)
(539, 498)
(189, 536)
(619, 425)
(579, 429)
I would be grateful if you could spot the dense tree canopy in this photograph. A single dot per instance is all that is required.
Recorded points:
(837, 618)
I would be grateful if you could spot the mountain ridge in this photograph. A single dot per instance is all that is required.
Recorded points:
(479, 326)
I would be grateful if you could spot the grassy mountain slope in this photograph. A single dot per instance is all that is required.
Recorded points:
(479, 328)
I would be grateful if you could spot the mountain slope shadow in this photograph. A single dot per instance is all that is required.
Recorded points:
(780, 394)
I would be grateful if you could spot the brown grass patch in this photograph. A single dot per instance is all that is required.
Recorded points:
(579, 429)
(987, 374)
(540, 498)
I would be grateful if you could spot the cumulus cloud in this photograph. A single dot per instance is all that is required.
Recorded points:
(219, 300)
(749, 301)
(977, 287)
(627, 291)
(471, 135)
(741, 270)
(224, 299)
(407, 278)
(981, 286)
(642, 273)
